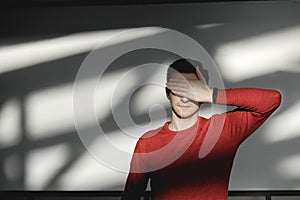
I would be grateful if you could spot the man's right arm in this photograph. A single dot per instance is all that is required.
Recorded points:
(135, 186)
(137, 179)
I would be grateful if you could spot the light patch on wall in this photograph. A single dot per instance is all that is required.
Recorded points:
(89, 174)
(107, 88)
(19, 56)
(10, 122)
(152, 93)
(209, 26)
(289, 167)
(140, 90)
(43, 164)
(260, 55)
(103, 95)
(285, 126)
(37, 52)
(49, 111)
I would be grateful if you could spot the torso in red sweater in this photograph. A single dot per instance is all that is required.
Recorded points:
(179, 172)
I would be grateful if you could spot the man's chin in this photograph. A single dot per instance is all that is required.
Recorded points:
(186, 116)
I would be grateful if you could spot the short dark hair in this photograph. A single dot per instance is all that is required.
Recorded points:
(185, 65)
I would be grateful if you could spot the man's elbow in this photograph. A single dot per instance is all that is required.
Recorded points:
(277, 98)
(274, 101)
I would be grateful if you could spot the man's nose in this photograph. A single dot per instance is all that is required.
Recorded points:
(184, 99)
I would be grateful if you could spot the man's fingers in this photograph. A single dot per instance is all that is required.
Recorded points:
(177, 88)
(183, 78)
(177, 84)
(178, 80)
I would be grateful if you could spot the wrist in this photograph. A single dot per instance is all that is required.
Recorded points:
(211, 91)
(214, 95)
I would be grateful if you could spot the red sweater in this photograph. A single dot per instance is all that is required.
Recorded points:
(187, 176)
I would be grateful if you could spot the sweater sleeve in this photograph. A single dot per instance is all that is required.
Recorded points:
(254, 106)
(137, 179)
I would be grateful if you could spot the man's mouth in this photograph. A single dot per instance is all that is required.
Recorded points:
(183, 106)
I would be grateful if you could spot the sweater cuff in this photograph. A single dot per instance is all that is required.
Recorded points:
(221, 96)
(214, 95)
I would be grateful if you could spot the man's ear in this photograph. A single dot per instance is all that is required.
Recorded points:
(168, 96)
(168, 91)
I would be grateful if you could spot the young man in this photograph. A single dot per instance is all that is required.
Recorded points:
(176, 171)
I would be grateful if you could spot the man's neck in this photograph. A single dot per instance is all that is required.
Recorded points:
(178, 124)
